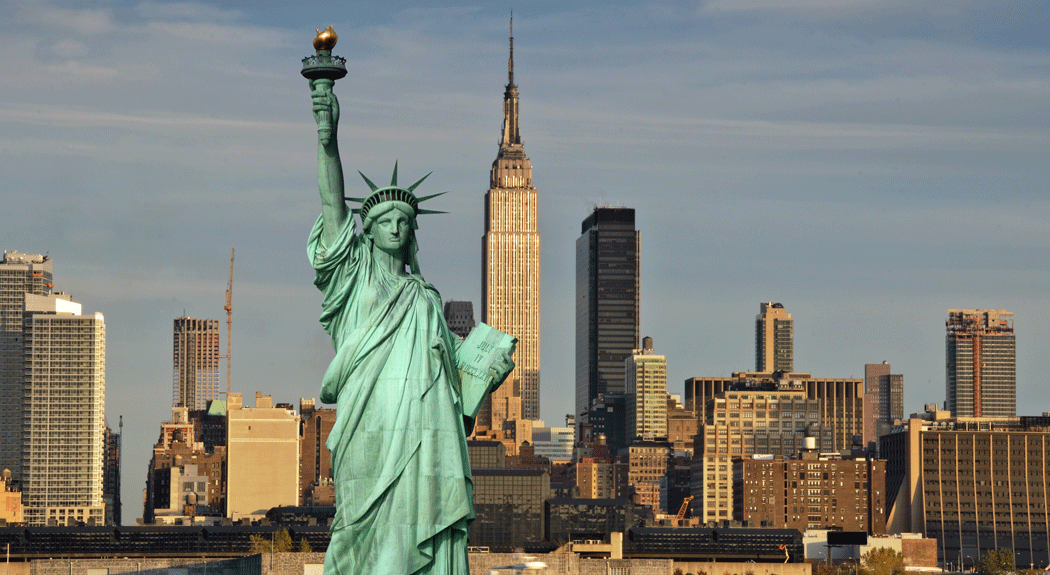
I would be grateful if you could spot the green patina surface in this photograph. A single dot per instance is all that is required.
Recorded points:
(402, 476)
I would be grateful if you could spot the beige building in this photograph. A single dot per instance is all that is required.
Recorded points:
(972, 483)
(510, 291)
(646, 385)
(745, 420)
(262, 457)
(774, 339)
(840, 409)
(596, 478)
(65, 418)
(10, 500)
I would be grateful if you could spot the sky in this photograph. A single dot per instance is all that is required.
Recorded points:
(869, 164)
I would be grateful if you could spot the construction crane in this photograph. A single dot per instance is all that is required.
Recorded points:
(229, 325)
(684, 507)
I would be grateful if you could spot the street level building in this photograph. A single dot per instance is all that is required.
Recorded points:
(508, 505)
(981, 358)
(315, 469)
(63, 470)
(262, 457)
(607, 303)
(510, 267)
(186, 479)
(774, 339)
(19, 274)
(195, 360)
(973, 484)
(811, 492)
(646, 393)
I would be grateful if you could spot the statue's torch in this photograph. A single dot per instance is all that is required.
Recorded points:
(325, 69)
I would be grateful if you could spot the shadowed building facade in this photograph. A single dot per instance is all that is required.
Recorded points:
(19, 274)
(607, 303)
(510, 268)
(883, 399)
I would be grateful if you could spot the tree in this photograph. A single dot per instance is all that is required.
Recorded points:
(259, 544)
(277, 542)
(882, 561)
(304, 546)
(996, 562)
(282, 541)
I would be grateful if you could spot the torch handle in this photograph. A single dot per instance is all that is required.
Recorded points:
(324, 117)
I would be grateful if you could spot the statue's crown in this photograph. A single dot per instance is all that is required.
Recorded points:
(392, 193)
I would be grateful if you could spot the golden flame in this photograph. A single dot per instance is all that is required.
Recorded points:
(325, 39)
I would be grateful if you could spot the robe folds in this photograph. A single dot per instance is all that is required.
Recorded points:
(403, 490)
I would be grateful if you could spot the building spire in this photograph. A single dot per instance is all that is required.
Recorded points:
(510, 63)
(510, 136)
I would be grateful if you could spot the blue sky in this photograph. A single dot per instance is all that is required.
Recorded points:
(870, 164)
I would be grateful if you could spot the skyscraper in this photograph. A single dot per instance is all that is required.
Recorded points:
(65, 429)
(510, 252)
(646, 379)
(19, 274)
(459, 315)
(774, 339)
(196, 362)
(607, 287)
(883, 397)
(980, 356)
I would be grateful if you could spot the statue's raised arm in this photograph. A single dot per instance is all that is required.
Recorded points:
(329, 167)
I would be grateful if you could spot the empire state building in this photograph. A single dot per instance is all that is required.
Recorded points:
(510, 249)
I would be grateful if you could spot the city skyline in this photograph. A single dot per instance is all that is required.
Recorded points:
(886, 173)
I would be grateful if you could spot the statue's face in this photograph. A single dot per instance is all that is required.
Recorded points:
(390, 231)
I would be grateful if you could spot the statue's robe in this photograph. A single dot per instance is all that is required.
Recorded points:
(403, 490)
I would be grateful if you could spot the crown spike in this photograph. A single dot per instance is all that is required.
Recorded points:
(425, 198)
(429, 212)
(393, 180)
(372, 186)
(413, 187)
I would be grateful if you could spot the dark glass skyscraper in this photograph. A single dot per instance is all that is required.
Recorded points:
(607, 302)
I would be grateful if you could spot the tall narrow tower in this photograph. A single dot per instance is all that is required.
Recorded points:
(980, 354)
(510, 267)
(20, 274)
(774, 339)
(607, 302)
(63, 471)
(195, 358)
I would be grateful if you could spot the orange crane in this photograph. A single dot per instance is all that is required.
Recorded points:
(684, 507)
(229, 325)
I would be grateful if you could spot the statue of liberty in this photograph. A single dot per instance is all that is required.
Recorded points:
(404, 496)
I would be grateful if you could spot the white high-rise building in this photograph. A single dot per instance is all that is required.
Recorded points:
(64, 423)
(646, 393)
(19, 274)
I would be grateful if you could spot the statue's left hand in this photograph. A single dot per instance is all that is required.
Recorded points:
(501, 368)
(324, 101)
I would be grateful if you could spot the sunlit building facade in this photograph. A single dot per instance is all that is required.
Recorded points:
(510, 251)
(196, 362)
